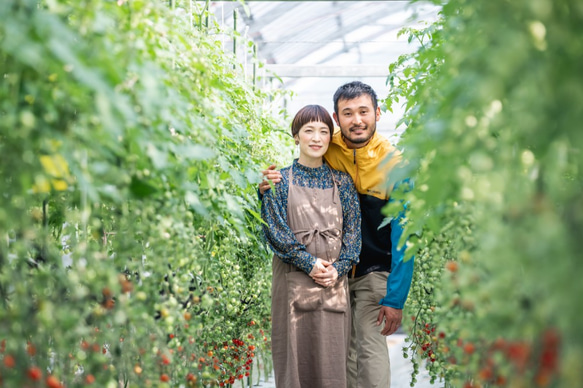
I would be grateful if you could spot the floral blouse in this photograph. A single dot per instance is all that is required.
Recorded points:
(281, 238)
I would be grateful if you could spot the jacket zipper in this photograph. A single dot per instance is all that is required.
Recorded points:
(356, 177)
(353, 272)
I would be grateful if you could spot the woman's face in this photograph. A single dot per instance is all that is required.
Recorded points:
(313, 138)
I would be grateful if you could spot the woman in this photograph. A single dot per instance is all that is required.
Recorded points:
(313, 227)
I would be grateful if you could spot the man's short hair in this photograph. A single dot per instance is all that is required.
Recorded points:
(354, 90)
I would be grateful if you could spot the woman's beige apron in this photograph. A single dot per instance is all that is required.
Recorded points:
(310, 323)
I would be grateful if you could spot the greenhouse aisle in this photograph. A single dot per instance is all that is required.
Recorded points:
(400, 368)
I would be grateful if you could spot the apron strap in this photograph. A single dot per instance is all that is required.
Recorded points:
(306, 237)
(334, 183)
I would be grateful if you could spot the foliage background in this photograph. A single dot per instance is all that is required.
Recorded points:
(130, 245)
(130, 151)
(494, 143)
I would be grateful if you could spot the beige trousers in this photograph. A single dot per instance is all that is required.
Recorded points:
(368, 363)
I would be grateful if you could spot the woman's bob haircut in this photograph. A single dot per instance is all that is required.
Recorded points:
(310, 114)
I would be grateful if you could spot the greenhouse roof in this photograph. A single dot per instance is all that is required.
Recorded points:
(316, 46)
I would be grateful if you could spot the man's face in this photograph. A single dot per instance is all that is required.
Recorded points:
(357, 120)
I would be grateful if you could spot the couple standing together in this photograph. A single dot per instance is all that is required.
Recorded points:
(339, 281)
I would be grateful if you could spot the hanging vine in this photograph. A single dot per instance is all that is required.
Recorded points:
(130, 245)
(491, 100)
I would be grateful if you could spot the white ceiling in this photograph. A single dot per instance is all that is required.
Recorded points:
(316, 46)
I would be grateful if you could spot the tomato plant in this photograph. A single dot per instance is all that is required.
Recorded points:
(492, 110)
(130, 247)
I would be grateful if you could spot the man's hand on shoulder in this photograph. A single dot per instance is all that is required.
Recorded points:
(271, 174)
(392, 318)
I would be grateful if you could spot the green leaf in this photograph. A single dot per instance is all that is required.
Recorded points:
(141, 189)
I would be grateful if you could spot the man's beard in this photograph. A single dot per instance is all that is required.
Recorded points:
(359, 140)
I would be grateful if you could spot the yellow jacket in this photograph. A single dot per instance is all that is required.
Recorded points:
(368, 166)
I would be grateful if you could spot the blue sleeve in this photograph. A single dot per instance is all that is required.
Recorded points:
(399, 281)
(259, 195)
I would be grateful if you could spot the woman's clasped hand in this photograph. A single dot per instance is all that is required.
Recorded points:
(324, 273)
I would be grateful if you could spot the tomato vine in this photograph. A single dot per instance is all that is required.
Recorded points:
(130, 248)
(491, 107)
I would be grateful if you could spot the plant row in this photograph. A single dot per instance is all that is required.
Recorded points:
(492, 101)
(130, 245)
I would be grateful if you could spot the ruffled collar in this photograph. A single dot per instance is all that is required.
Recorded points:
(309, 170)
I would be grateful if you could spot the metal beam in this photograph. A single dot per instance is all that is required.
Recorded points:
(301, 71)
(345, 24)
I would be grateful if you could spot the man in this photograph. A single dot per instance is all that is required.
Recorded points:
(375, 296)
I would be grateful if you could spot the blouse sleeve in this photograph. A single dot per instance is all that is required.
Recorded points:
(351, 235)
(278, 234)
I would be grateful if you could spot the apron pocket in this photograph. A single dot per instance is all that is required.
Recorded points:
(335, 298)
(302, 293)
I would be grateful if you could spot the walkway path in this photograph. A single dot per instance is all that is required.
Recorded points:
(400, 368)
